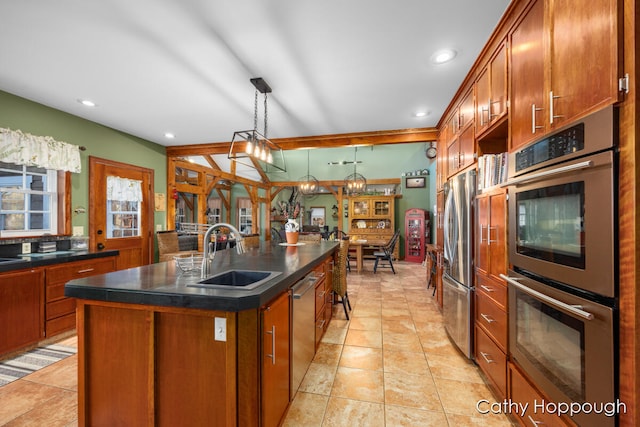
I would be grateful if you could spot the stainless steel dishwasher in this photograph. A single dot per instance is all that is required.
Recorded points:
(303, 329)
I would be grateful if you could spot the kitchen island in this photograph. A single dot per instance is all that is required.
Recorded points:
(153, 349)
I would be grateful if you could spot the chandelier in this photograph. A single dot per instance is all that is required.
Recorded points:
(308, 184)
(250, 147)
(355, 183)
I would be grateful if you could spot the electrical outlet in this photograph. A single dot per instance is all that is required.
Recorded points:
(26, 248)
(158, 227)
(78, 230)
(221, 329)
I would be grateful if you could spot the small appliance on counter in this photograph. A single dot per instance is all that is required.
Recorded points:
(79, 243)
(45, 247)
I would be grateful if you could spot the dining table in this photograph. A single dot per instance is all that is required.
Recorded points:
(357, 246)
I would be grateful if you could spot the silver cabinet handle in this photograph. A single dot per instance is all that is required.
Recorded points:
(486, 288)
(486, 357)
(552, 301)
(481, 230)
(487, 318)
(489, 241)
(273, 344)
(533, 118)
(551, 115)
(86, 270)
(534, 422)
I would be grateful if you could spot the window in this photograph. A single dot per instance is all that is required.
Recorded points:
(244, 215)
(214, 210)
(28, 200)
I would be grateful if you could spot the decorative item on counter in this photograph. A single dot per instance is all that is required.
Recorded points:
(291, 210)
(79, 243)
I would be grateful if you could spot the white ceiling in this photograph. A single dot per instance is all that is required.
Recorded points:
(183, 66)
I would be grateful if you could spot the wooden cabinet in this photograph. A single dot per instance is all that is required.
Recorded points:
(461, 145)
(491, 234)
(523, 393)
(372, 218)
(491, 292)
(321, 301)
(491, 91)
(275, 360)
(60, 311)
(550, 85)
(21, 299)
(417, 234)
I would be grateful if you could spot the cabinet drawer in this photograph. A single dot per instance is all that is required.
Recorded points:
(491, 360)
(494, 290)
(54, 292)
(60, 324)
(321, 323)
(74, 270)
(320, 298)
(60, 308)
(492, 318)
(522, 392)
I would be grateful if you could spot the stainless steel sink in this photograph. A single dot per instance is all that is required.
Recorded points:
(237, 279)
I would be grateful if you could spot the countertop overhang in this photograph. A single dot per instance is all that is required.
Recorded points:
(163, 284)
(33, 260)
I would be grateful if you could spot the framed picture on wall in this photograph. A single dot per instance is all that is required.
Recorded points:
(415, 182)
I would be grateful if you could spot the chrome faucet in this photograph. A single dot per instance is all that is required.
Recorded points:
(208, 257)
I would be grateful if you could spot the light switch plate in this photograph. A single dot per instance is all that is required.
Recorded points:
(158, 227)
(221, 329)
(26, 248)
(78, 230)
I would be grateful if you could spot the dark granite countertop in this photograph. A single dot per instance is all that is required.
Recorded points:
(19, 262)
(164, 284)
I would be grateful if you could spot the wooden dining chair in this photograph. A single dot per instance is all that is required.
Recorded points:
(386, 254)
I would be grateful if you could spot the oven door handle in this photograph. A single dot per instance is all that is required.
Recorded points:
(554, 302)
(540, 175)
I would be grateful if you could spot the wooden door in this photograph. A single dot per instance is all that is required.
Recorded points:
(584, 58)
(120, 224)
(275, 361)
(466, 110)
(467, 148)
(453, 157)
(528, 106)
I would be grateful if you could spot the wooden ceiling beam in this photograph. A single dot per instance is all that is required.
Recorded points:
(401, 136)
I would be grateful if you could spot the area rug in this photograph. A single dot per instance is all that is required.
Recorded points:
(31, 361)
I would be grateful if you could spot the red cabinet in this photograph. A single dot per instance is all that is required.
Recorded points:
(417, 234)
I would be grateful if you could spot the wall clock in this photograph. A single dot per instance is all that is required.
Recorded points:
(432, 152)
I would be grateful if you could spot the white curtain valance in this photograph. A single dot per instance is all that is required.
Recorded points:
(42, 151)
(123, 189)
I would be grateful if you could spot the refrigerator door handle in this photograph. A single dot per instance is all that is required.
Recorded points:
(448, 206)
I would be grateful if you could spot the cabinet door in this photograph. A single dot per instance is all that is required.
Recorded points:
(467, 147)
(275, 361)
(466, 110)
(580, 36)
(482, 229)
(441, 164)
(498, 99)
(527, 77)
(21, 309)
(496, 235)
(483, 97)
(440, 218)
(453, 157)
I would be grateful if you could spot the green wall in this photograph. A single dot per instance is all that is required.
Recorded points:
(21, 114)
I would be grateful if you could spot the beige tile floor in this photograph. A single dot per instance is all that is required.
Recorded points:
(391, 364)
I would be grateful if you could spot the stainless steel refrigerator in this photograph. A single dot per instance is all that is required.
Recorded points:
(457, 281)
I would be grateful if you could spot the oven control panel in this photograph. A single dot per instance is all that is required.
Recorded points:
(568, 141)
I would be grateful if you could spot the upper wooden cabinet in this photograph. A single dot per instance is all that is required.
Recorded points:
(563, 65)
(491, 91)
(460, 136)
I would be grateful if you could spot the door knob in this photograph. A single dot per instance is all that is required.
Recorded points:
(100, 246)
(99, 232)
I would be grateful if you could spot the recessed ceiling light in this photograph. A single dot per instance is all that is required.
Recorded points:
(87, 103)
(421, 114)
(442, 56)
(169, 135)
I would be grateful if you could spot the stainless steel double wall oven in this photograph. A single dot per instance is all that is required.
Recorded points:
(562, 285)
